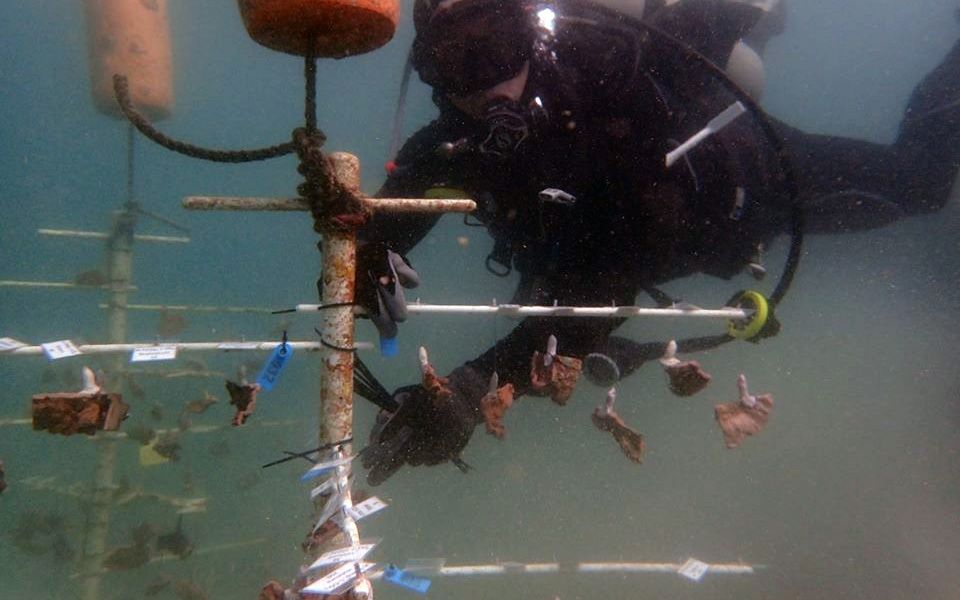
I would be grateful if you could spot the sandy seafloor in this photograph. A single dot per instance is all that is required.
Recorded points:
(853, 491)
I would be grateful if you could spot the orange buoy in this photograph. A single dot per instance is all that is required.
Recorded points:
(132, 38)
(331, 28)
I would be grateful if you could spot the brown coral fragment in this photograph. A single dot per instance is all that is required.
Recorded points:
(86, 411)
(686, 377)
(272, 591)
(745, 417)
(243, 397)
(494, 405)
(78, 412)
(554, 375)
(605, 418)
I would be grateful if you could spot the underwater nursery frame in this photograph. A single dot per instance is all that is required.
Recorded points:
(137, 87)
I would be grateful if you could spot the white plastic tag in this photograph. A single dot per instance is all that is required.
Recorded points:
(323, 487)
(321, 468)
(59, 349)
(693, 569)
(154, 353)
(8, 344)
(333, 505)
(338, 580)
(366, 508)
(342, 555)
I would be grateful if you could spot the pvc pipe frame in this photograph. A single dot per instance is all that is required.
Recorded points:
(583, 567)
(516, 310)
(184, 346)
(98, 235)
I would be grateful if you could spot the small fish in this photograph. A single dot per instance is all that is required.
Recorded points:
(168, 446)
(170, 324)
(93, 277)
(200, 406)
(176, 542)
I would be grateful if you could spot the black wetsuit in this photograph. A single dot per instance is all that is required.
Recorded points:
(605, 104)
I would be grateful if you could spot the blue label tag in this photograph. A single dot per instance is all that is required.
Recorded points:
(271, 371)
(403, 579)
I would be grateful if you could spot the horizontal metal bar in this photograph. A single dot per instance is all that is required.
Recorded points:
(406, 205)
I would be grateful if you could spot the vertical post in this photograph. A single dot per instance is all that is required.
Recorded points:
(97, 527)
(339, 270)
(337, 331)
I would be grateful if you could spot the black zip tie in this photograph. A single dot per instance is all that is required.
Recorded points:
(305, 453)
(327, 344)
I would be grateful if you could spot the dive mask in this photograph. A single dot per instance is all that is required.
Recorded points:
(473, 46)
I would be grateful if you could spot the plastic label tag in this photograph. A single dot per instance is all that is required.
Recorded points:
(401, 578)
(366, 508)
(339, 580)
(154, 353)
(322, 468)
(693, 569)
(8, 344)
(333, 505)
(323, 487)
(59, 349)
(271, 371)
(342, 555)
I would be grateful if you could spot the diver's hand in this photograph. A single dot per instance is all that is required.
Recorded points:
(425, 429)
(381, 276)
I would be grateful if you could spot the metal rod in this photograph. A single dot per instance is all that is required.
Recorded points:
(184, 346)
(99, 235)
(405, 205)
(197, 308)
(338, 269)
(516, 310)
(59, 285)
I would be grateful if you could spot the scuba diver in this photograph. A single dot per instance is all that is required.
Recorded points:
(556, 117)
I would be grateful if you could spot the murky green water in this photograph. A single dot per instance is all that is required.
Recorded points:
(853, 491)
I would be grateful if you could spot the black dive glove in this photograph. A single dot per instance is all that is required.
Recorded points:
(381, 276)
(425, 430)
